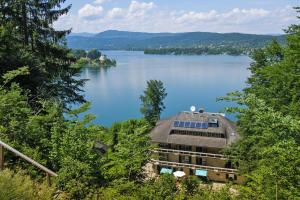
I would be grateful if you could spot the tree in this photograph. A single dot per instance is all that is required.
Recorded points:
(27, 38)
(72, 153)
(20, 186)
(276, 177)
(190, 184)
(275, 74)
(130, 151)
(268, 121)
(268, 137)
(93, 54)
(79, 53)
(152, 101)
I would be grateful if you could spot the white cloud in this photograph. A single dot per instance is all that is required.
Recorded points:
(147, 16)
(196, 17)
(235, 15)
(139, 9)
(115, 13)
(239, 16)
(136, 6)
(90, 12)
(101, 1)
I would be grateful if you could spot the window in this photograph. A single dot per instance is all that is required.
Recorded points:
(199, 149)
(204, 161)
(163, 157)
(228, 164)
(164, 145)
(199, 161)
(185, 148)
(198, 133)
(185, 159)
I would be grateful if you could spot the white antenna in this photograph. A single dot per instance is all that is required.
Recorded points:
(193, 108)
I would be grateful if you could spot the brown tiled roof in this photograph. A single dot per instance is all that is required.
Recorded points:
(161, 133)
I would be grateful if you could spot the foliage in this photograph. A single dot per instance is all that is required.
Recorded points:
(275, 75)
(260, 152)
(207, 193)
(93, 54)
(160, 189)
(203, 50)
(190, 184)
(163, 188)
(72, 155)
(131, 146)
(62, 145)
(269, 124)
(9, 76)
(19, 186)
(33, 119)
(108, 62)
(79, 53)
(92, 59)
(83, 62)
(66, 145)
(277, 176)
(27, 38)
(152, 101)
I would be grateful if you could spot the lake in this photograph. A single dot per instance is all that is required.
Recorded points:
(189, 80)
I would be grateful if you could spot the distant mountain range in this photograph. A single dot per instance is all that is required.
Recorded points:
(125, 40)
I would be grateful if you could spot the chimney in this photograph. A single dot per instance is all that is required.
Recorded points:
(201, 110)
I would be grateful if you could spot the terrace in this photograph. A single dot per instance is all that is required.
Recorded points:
(193, 166)
(190, 153)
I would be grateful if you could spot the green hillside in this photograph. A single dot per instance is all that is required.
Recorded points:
(123, 40)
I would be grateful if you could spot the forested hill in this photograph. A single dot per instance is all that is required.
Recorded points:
(124, 40)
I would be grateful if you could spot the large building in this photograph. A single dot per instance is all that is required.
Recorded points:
(192, 142)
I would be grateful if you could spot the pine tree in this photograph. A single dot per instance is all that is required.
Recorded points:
(152, 101)
(28, 39)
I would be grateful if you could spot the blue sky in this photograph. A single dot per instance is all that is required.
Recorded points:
(252, 16)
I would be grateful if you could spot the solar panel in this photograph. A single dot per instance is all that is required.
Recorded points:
(187, 124)
(193, 124)
(190, 124)
(176, 123)
(205, 125)
(198, 125)
(181, 124)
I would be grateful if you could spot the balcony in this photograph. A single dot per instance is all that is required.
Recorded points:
(193, 166)
(189, 153)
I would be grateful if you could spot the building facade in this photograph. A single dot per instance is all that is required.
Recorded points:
(192, 142)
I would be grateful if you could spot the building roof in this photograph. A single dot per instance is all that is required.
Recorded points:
(166, 132)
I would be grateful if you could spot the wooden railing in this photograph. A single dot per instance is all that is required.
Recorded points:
(190, 153)
(3, 146)
(193, 166)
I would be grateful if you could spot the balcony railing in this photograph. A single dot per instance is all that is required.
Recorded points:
(190, 153)
(193, 166)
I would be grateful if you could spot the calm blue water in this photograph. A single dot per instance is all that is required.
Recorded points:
(189, 80)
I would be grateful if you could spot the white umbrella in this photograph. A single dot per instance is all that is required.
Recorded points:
(179, 174)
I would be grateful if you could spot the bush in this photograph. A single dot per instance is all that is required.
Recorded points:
(20, 186)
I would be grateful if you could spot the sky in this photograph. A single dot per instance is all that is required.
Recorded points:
(223, 16)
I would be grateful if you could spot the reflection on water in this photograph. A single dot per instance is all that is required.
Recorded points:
(189, 80)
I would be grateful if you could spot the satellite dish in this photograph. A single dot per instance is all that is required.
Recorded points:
(193, 108)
